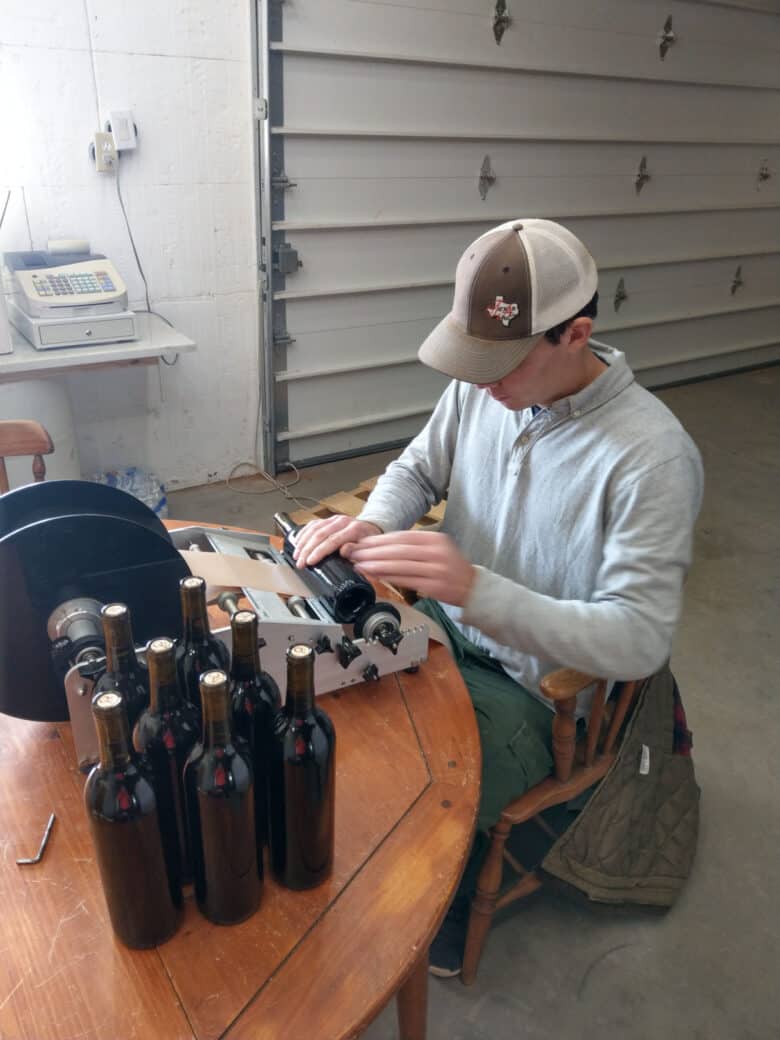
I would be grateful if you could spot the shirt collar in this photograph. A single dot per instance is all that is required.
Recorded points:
(616, 377)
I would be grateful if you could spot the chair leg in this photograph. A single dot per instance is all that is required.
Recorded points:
(484, 903)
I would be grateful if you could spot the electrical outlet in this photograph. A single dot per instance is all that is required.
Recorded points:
(104, 152)
(121, 125)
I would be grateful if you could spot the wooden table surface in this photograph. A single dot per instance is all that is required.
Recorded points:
(318, 964)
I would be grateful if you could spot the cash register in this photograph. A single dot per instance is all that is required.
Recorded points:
(67, 296)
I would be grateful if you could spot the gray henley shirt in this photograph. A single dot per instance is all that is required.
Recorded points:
(579, 519)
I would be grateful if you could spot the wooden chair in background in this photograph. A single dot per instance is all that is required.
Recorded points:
(22, 437)
(578, 766)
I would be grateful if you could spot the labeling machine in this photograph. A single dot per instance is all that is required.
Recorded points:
(69, 547)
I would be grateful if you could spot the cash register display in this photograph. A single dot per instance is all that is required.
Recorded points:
(72, 284)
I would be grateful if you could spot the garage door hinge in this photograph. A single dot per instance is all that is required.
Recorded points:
(286, 259)
(282, 338)
(282, 182)
(261, 108)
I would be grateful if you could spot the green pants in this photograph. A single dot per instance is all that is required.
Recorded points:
(515, 729)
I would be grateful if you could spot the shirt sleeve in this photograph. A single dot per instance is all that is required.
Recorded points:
(625, 630)
(419, 478)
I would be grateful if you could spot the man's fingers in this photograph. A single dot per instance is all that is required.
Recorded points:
(402, 571)
(389, 551)
(314, 532)
(323, 549)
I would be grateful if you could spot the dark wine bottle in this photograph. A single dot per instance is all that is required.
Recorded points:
(143, 900)
(255, 703)
(124, 671)
(221, 812)
(198, 650)
(302, 781)
(165, 734)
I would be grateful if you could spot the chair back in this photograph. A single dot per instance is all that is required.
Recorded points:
(23, 437)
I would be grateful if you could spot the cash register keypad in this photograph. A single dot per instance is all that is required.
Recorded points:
(73, 284)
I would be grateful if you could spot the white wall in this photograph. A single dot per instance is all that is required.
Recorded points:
(185, 71)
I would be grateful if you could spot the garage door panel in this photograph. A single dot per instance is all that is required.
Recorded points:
(362, 312)
(347, 94)
(674, 342)
(368, 436)
(587, 39)
(382, 113)
(360, 394)
(341, 260)
(349, 159)
(362, 347)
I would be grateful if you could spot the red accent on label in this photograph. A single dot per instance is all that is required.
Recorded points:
(219, 776)
(168, 740)
(300, 746)
(123, 799)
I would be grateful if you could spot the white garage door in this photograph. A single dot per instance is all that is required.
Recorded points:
(399, 130)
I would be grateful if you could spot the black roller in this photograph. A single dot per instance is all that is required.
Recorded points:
(334, 578)
(60, 558)
(26, 505)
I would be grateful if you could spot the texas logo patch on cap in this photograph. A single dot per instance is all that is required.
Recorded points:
(504, 312)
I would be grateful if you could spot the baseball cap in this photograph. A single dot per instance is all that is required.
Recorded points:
(511, 285)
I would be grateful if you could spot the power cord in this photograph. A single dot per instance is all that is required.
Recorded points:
(276, 485)
(130, 235)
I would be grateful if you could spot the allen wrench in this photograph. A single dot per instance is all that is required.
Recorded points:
(42, 849)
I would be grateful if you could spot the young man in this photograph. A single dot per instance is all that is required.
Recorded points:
(572, 494)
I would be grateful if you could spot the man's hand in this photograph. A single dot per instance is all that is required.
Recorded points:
(320, 538)
(427, 561)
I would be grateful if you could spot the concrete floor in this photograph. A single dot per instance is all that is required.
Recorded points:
(554, 969)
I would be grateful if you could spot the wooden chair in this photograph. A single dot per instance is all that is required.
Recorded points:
(578, 765)
(21, 437)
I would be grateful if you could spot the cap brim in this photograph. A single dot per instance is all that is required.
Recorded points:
(451, 350)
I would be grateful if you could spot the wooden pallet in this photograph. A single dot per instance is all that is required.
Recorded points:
(353, 502)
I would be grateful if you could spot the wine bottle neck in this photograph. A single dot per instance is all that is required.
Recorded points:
(195, 626)
(246, 654)
(163, 684)
(114, 741)
(193, 609)
(300, 679)
(215, 702)
(120, 652)
(300, 702)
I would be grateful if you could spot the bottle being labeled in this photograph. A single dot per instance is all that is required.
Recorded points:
(143, 900)
(198, 650)
(124, 671)
(221, 812)
(255, 704)
(165, 734)
(302, 781)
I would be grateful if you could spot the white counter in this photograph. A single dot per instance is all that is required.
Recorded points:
(155, 338)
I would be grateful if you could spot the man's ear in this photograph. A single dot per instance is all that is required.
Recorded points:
(578, 334)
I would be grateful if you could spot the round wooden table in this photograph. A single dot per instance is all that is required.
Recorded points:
(318, 964)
